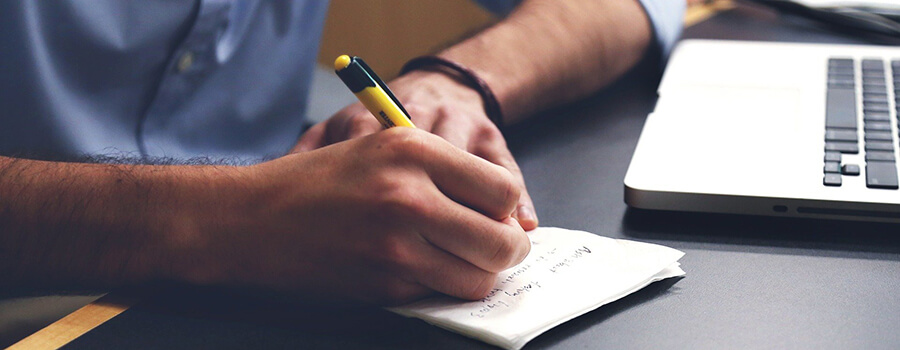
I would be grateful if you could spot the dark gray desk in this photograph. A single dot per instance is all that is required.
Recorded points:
(751, 282)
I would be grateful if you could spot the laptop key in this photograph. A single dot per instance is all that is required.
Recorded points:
(832, 180)
(873, 94)
(879, 146)
(832, 167)
(872, 98)
(850, 169)
(833, 157)
(875, 104)
(840, 62)
(841, 78)
(879, 136)
(843, 147)
(881, 175)
(873, 70)
(876, 116)
(876, 108)
(872, 64)
(842, 73)
(840, 85)
(879, 156)
(874, 84)
(841, 70)
(840, 109)
(867, 78)
(878, 126)
(840, 135)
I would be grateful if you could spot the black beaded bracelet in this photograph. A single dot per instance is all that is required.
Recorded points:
(491, 105)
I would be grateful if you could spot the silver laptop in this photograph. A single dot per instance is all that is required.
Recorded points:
(783, 129)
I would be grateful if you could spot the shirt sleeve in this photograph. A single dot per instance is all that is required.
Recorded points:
(666, 18)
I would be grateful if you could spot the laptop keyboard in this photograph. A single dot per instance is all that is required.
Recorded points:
(843, 97)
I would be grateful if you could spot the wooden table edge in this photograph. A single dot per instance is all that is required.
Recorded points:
(74, 325)
(104, 309)
(699, 13)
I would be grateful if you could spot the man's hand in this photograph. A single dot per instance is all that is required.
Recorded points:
(385, 218)
(443, 106)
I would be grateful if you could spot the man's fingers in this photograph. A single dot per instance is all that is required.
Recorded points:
(448, 274)
(423, 118)
(468, 179)
(488, 244)
(313, 138)
(457, 131)
(495, 151)
(360, 124)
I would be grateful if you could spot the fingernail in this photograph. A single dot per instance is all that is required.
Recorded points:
(526, 214)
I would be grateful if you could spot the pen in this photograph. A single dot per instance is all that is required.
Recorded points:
(371, 91)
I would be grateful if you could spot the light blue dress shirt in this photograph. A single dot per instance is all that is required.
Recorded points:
(178, 78)
(667, 17)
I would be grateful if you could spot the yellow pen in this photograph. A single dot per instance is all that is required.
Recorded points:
(371, 91)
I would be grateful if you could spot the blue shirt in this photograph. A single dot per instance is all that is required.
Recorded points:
(180, 79)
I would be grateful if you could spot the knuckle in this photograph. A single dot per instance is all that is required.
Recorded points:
(510, 164)
(359, 124)
(402, 139)
(406, 144)
(524, 249)
(491, 134)
(448, 111)
(404, 200)
(505, 251)
(510, 250)
(364, 118)
(458, 117)
(394, 254)
(510, 189)
(416, 110)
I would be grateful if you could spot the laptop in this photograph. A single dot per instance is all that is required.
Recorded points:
(780, 129)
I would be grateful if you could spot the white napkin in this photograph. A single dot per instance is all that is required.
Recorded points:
(567, 274)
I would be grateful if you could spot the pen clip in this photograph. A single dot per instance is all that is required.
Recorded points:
(382, 85)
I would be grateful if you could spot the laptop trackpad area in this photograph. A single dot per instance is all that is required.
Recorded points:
(757, 139)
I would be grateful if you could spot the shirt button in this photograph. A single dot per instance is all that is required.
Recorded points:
(185, 61)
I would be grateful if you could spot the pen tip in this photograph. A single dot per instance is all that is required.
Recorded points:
(341, 62)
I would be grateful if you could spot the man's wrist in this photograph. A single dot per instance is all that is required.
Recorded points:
(435, 86)
(462, 75)
(208, 209)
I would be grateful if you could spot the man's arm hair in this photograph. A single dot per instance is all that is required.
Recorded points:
(104, 224)
(551, 52)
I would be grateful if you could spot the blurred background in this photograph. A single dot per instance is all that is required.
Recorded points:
(387, 33)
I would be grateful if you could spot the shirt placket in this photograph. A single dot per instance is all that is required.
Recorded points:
(189, 64)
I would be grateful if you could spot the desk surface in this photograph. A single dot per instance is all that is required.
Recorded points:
(751, 282)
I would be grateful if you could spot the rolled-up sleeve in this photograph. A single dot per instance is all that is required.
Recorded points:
(667, 18)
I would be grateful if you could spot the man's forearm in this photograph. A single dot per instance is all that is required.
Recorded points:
(549, 51)
(71, 225)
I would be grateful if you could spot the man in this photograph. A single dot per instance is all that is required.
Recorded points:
(405, 212)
